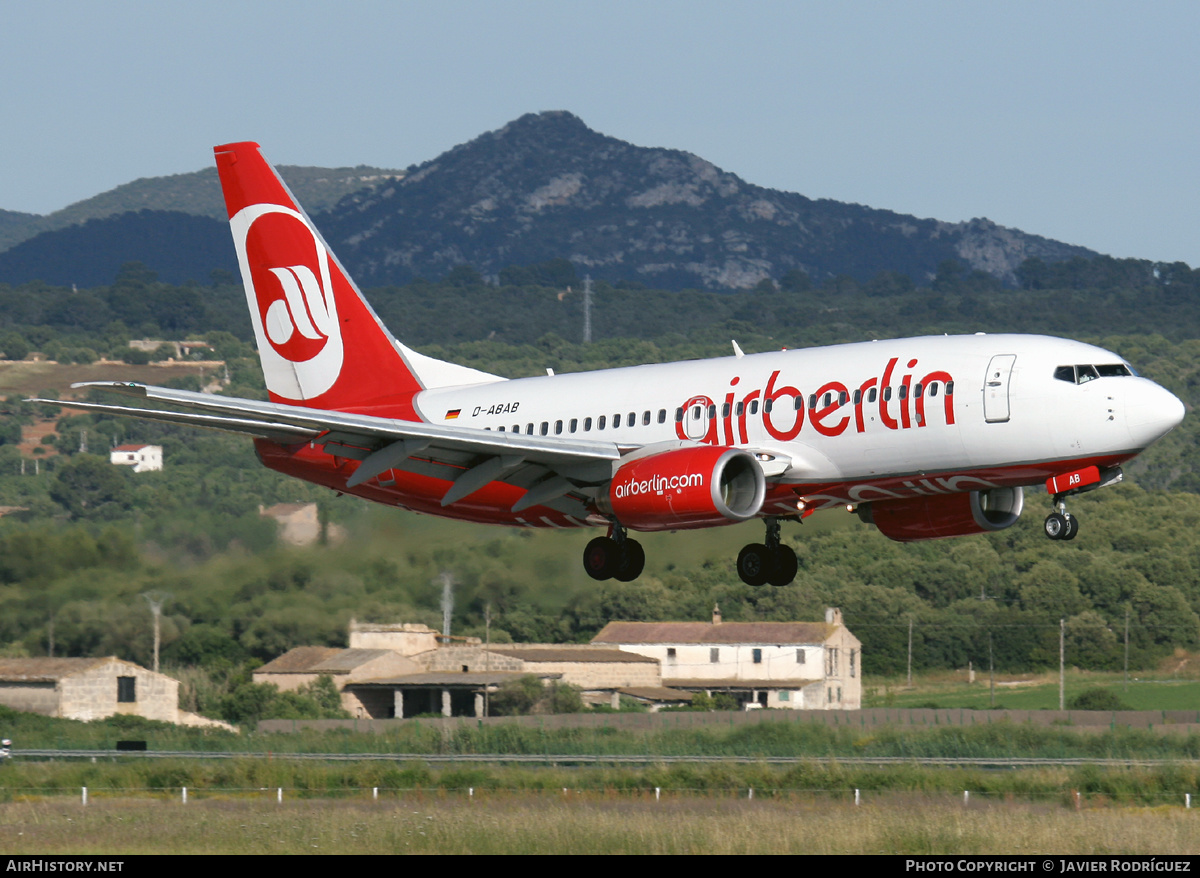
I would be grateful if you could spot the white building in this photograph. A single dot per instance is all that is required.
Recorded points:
(796, 665)
(143, 458)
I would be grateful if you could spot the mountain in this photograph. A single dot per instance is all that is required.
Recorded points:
(197, 193)
(543, 187)
(179, 247)
(547, 186)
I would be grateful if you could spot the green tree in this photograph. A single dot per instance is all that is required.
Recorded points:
(91, 487)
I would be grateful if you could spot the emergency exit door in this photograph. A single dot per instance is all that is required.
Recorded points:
(995, 388)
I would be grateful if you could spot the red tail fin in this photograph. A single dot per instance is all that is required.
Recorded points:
(320, 343)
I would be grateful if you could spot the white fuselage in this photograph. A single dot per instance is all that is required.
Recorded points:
(871, 425)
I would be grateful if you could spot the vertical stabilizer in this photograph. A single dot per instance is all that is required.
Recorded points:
(320, 343)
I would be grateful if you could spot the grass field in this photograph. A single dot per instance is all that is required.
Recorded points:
(1160, 690)
(521, 824)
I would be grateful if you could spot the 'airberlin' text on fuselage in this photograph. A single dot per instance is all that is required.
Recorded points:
(783, 409)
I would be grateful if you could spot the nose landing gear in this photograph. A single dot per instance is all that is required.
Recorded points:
(773, 562)
(1061, 525)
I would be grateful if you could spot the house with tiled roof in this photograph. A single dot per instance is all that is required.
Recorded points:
(790, 665)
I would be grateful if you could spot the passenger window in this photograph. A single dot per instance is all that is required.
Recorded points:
(587, 425)
(887, 394)
(574, 424)
(662, 416)
(872, 395)
(600, 423)
(904, 391)
(799, 402)
(545, 427)
(767, 406)
(725, 410)
(812, 401)
(754, 406)
(843, 398)
(949, 388)
(933, 389)
(678, 415)
(558, 428)
(616, 421)
(645, 419)
(529, 429)
(741, 407)
(632, 419)
(712, 412)
(828, 400)
(857, 397)
(917, 391)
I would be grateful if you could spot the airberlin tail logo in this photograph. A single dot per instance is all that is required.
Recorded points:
(289, 291)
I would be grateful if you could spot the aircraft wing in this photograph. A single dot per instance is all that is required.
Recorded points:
(548, 467)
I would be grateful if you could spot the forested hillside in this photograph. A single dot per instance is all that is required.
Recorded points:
(94, 537)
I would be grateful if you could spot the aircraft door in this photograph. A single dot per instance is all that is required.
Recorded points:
(995, 388)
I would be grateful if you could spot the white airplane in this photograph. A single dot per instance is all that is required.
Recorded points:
(923, 437)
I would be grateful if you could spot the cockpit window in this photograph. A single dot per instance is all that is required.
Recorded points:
(1081, 374)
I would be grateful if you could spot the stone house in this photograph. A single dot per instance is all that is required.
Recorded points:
(789, 665)
(88, 688)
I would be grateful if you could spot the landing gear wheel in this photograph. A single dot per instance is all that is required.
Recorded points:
(601, 558)
(754, 564)
(1057, 527)
(1072, 528)
(784, 566)
(633, 559)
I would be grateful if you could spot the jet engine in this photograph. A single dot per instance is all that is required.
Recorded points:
(946, 515)
(686, 487)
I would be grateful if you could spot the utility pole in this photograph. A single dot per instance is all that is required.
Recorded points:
(587, 309)
(910, 652)
(1126, 649)
(992, 668)
(1062, 634)
(487, 654)
(447, 604)
(156, 599)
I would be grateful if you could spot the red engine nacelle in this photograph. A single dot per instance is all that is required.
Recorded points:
(686, 487)
(947, 515)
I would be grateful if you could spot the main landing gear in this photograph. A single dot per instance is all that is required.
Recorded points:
(1060, 524)
(619, 557)
(615, 556)
(772, 562)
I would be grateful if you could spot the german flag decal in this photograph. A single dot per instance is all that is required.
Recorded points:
(452, 414)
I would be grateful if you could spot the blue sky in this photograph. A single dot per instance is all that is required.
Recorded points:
(1077, 121)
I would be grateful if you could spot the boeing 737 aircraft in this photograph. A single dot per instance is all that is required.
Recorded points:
(923, 437)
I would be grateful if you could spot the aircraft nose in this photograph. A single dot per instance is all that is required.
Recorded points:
(1152, 412)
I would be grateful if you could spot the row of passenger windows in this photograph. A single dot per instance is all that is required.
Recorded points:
(572, 426)
(736, 409)
(1083, 374)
